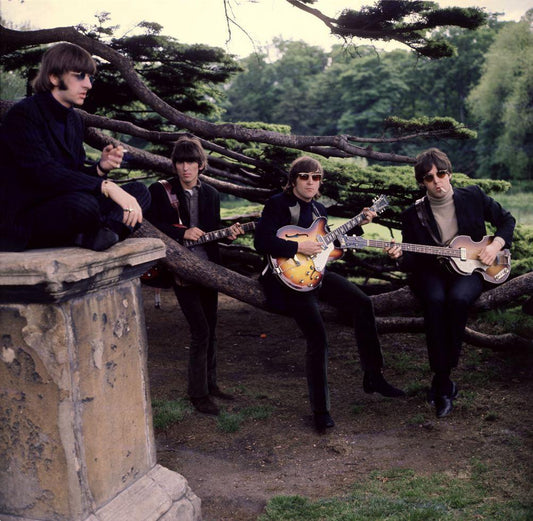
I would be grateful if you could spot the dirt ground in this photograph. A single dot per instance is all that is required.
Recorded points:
(261, 362)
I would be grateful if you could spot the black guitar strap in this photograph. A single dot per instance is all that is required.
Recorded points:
(424, 218)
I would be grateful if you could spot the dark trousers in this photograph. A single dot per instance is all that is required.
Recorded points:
(199, 305)
(304, 307)
(57, 221)
(446, 299)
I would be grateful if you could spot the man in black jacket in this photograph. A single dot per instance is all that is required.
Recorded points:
(444, 213)
(189, 210)
(297, 206)
(49, 196)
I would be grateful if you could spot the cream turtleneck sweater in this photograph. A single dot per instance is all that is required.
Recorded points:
(443, 209)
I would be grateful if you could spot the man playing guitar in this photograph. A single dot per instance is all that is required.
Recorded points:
(193, 212)
(446, 295)
(297, 206)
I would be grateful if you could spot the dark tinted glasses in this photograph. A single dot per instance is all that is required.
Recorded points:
(80, 76)
(314, 177)
(429, 177)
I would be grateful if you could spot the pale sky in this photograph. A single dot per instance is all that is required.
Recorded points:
(203, 21)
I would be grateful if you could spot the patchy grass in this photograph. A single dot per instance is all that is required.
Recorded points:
(232, 421)
(404, 495)
(168, 412)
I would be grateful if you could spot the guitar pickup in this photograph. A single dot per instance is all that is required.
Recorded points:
(463, 254)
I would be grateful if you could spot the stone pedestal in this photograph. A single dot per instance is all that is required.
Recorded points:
(76, 438)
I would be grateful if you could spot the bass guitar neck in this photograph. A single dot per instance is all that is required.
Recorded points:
(462, 254)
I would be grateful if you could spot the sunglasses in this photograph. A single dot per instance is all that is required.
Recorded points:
(80, 76)
(429, 177)
(314, 177)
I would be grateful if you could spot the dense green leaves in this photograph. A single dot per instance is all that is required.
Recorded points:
(502, 104)
(358, 92)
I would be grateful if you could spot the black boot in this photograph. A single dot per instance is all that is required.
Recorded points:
(100, 240)
(218, 393)
(323, 421)
(374, 382)
(205, 405)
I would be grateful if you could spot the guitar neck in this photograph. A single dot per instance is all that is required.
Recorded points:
(343, 228)
(379, 204)
(417, 248)
(217, 235)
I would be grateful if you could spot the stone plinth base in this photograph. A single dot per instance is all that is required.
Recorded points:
(160, 495)
(76, 438)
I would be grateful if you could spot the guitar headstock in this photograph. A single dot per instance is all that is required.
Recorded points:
(349, 242)
(380, 203)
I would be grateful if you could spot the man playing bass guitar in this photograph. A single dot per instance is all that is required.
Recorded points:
(447, 295)
(297, 206)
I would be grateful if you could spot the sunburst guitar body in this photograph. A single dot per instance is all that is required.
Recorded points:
(302, 272)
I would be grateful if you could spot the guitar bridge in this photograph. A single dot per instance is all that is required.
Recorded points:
(502, 274)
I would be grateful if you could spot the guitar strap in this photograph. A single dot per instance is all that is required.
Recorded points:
(172, 197)
(295, 212)
(424, 218)
(174, 202)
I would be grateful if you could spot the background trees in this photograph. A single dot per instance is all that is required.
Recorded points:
(354, 90)
(501, 103)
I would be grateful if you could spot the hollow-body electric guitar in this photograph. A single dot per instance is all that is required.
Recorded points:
(462, 254)
(217, 235)
(303, 272)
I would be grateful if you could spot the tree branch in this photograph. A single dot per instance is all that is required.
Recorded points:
(12, 40)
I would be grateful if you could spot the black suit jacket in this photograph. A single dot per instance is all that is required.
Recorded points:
(473, 209)
(162, 215)
(42, 157)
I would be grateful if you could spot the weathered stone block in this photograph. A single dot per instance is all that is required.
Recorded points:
(76, 440)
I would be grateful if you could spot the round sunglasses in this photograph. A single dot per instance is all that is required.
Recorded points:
(314, 177)
(429, 177)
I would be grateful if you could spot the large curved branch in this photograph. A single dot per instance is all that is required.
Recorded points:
(12, 39)
(405, 23)
(511, 290)
(504, 342)
(190, 267)
(143, 159)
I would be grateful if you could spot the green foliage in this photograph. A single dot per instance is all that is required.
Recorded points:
(403, 495)
(188, 77)
(231, 421)
(165, 413)
(359, 92)
(408, 22)
(505, 320)
(12, 85)
(447, 126)
(502, 104)
(522, 250)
